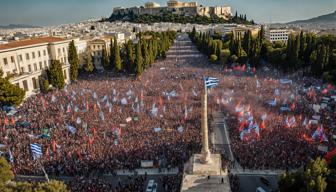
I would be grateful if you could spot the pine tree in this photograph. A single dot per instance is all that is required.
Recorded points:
(10, 94)
(55, 75)
(117, 59)
(111, 55)
(145, 54)
(247, 42)
(151, 56)
(138, 59)
(74, 61)
(129, 56)
(261, 34)
(105, 61)
(302, 45)
(88, 65)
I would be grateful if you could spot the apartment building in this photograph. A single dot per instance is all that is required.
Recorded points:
(26, 60)
(277, 34)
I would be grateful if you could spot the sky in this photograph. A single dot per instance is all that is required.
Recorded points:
(53, 12)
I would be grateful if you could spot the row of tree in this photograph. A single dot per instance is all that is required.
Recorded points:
(134, 57)
(318, 176)
(8, 185)
(165, 16)
(317, 55)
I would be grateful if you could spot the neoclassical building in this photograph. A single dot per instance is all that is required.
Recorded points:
(176, 7)
(26, 60)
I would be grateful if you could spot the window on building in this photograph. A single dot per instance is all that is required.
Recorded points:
(65, 75)
(59, 51)
(20, 58)
(98, 46)
(34, 83)
(94, 47)
(35, 67)
(22, 70)
(44, 52)
(5, 61)
(63, 50)
(27, 56)
(12, 59)
(45, 64)
(65, 60)
(39, 53)
(33, 55)
(40, 63)
(25, 85)
(29, 68)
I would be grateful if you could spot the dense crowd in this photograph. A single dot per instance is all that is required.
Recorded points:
(103, 123)
(282, 113)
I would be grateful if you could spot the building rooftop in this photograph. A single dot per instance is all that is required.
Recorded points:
(28, 42)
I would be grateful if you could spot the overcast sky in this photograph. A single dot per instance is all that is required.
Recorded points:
(52, 12)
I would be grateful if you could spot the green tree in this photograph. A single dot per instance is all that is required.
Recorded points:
(117, 59)
(88, 64)
(73, 60)
(302, 45)
(224, 56)
(51, 186)
(129, 56)
(233, 58)
(55, 74)
(213, 58)
(291, 182)
(139, 59)
(6, 173)
(111, 55)
(44, 85)
(315, 175)
(9, 93)
(247, 42)
(105, 61)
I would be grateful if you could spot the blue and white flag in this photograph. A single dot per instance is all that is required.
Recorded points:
(101, 115)
(36, 150)
(273, 103)
(11, 159)
(211, 82)
(71, 129)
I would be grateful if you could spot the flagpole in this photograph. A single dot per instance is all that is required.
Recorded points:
(206, 156)
(45, 173)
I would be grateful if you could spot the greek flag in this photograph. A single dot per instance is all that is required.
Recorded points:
(36, 150)
(211, 82)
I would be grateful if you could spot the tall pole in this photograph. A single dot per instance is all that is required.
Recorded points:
(206, 156)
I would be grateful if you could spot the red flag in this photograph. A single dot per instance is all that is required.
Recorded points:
(91, 140)
(254, 70)
(95, 108)
(6, 121)
(47, 153)
(94, 132)
(161, 101)
(54, 146)
(262, 125)
(13, 121)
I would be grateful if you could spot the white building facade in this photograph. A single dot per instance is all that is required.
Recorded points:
(274, 35)
(27, 60)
